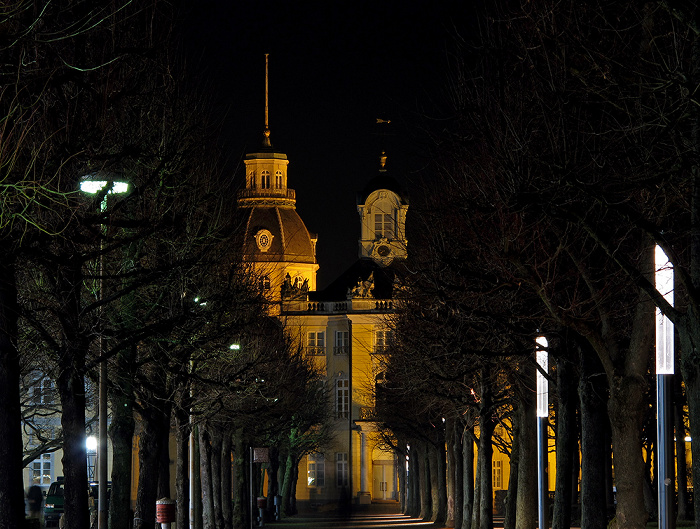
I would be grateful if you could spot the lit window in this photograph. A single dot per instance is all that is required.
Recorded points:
(42, 470)
(316, 343)
(341, 469)
(382, 340)
(342, 343)
(265, 180)
(342, 398)
(383, 226)
(278, 179)
(316, 470)
(497, 475)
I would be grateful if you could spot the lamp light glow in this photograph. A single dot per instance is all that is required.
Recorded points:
(542, 382)
(91, 444)
(664, 327)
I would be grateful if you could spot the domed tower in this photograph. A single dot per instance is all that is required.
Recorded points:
(276, 241)
(382, 206)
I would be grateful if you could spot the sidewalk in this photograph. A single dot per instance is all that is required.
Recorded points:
(374, 516)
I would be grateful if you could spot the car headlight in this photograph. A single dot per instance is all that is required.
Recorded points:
(49, 505)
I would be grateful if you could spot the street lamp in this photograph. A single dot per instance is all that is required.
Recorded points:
(664, 370)
(94, 184)
(542, 415)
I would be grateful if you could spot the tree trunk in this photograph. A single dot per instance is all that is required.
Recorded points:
(566, 441)
(226, 493)
(71, 389)
(591, 390)
(121, 432)
(450, 469)
(526, 509)
(241, 502)
(438, 497)
(215, 479)
(476, 496)
(273, 488)
(511, 512)
(197, 485)
(293, 495)
(468, 477)
(626, 410)
(205, 450)
(425, 491)
(182, 467)
(11, 494)
(487, 425)
(150, 445)
(457, 473)
(164, 459)
(413, 502)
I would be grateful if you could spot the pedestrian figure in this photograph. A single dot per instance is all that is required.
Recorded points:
(35, 498)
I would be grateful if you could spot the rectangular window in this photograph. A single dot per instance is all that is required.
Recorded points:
(316, 343)
(497, 475)
(42, 391)
(342, 343)
(382, 340)
(341, 469)
(316, 470)
(42, 469)
(383, 226)
(342, 398)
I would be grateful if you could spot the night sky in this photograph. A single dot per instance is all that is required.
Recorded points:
(335, 67)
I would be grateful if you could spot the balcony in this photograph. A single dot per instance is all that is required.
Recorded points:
(341, 349)
(316, 351)
(356, 306)
(288, 194)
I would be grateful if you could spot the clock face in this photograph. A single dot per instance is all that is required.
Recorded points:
(263, 239)
(383, 251)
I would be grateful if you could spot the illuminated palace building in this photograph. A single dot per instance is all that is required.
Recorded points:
(343, 328)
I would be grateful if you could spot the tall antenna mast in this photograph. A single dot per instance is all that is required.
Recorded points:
(266, 132)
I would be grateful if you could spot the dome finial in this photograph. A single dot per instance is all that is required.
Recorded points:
(266, 132)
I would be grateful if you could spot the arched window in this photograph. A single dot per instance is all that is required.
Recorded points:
(278, 180)
(265, 180)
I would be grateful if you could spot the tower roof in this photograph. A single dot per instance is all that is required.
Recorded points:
(383, 180)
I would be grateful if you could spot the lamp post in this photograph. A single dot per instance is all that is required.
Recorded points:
(542, 415)
(664, 370)
(93, 184)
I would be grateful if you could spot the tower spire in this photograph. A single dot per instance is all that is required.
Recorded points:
(266, 132)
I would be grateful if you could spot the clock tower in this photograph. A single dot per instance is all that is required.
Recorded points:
(382, 207)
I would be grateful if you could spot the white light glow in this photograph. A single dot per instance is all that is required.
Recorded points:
(542, 383)
(664, 327)
(234, 346)
(91, 444)
(95, 186)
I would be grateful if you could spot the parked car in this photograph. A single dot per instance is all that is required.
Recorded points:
(53, 505)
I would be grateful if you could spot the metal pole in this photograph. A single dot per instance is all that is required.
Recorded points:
(251, 487)
(664, 282)
(542, 484)
(664, 482)
(542, 409)
(102, 447)
(102, 441)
